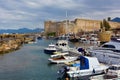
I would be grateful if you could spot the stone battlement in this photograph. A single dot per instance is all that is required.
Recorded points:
(78, 25)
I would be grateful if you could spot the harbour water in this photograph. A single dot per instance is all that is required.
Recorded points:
(29, 63)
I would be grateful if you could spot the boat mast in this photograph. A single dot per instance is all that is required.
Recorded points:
(93, 28)
(66, 22)
(85, 28)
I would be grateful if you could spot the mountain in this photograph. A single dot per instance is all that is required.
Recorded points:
(21, 30)
(117, 19)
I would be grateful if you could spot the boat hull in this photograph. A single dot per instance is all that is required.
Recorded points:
(74, 40)
(61, 61)
(106, 56)
(49, 51)
(83, 73)
(88, 66)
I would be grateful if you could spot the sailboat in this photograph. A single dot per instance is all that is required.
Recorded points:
(71, 36)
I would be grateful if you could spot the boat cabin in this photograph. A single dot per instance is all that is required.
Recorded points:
(51, 46)
(112, 44)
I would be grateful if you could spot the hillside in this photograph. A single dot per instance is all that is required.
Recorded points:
(22, 30)
(117, 19)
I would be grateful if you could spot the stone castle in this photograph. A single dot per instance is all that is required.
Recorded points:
(78, 25)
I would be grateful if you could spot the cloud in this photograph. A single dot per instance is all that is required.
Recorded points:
(33, 13)
(67, 4)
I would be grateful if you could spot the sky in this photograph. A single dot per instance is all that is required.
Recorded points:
(15, 14)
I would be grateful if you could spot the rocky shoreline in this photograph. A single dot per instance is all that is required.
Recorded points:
(12, 42)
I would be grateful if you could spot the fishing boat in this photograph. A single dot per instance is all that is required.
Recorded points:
(64, 57)
(108, 53)
(87, 66)
(50, 49)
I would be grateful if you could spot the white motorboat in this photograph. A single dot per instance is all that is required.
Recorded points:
(107, 53)
(57, 54)
(77, 51)
(92, 40)
(50, 49)
(83, 40)
(88, 66)
(63, 45)
(113, 71)
(62, 58)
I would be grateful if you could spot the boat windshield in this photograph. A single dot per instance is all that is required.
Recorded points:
(114, 68)
(108, 46)
(51, 46)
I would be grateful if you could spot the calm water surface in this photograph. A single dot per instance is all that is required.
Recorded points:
(28, 63)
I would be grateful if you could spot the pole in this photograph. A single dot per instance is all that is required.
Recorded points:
(66, 22)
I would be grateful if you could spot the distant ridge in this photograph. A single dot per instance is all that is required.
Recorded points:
(21, 30)
(117, 19)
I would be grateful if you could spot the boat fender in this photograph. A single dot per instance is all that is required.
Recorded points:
(93, 70)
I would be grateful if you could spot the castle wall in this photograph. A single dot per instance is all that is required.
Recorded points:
(114, 25)
(50, 26)
(75, 26)
(87, 25)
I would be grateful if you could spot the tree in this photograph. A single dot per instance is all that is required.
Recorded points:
(51, 34)
(109, 18)
(106, 25)
(101, 25)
